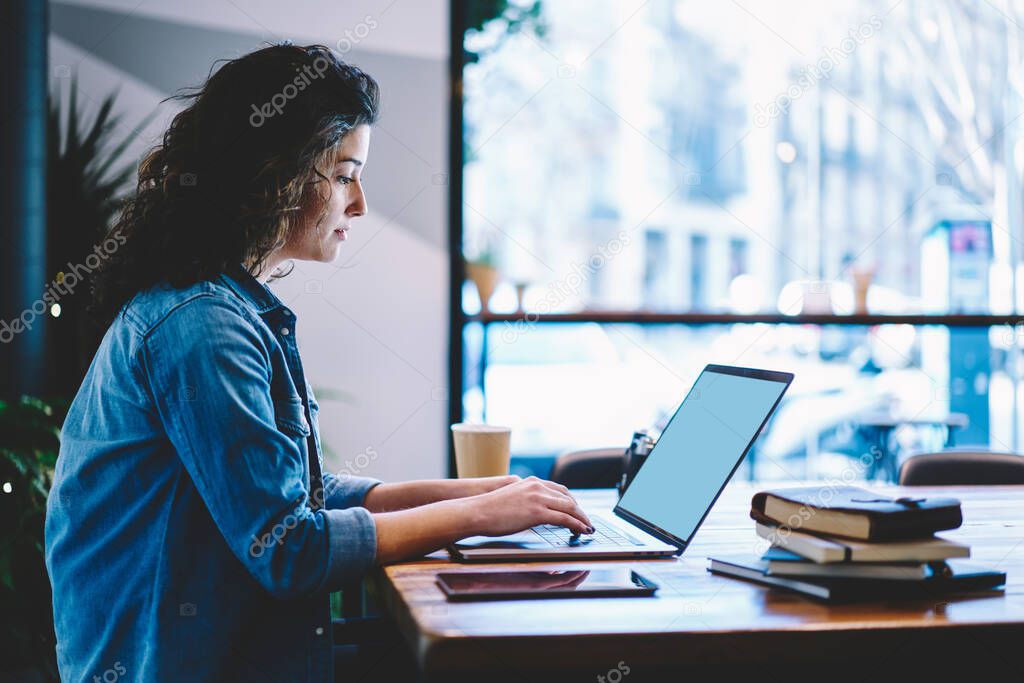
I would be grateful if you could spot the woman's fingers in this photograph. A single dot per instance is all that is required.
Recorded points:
(579, 578)
(567, 505)
(562, 492)
(558, 488)
(568, 521)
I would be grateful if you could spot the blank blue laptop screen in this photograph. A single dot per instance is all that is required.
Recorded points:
(698, 450)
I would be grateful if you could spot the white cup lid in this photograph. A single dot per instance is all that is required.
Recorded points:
(483, 428)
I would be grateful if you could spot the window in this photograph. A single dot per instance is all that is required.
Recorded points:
(737, 257)
(655, 268)
(698, 276)
(760, 159)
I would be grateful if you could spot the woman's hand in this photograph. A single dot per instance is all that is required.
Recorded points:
(526, 503)
(509, 506)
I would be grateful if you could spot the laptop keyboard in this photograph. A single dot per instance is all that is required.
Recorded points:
(604, 534)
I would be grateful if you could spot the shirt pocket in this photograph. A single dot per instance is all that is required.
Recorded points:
(314, 407)
(314, 410)
(290, 417)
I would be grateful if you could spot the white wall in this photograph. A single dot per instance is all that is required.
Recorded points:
(372, 327)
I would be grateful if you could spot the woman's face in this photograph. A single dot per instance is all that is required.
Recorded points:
(326, 226)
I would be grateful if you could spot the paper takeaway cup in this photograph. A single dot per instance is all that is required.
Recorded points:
(481, 450)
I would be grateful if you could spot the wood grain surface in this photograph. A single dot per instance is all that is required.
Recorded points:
(699, 622)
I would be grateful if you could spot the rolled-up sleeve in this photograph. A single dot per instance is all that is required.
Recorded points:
(346, 490)
(212, 392)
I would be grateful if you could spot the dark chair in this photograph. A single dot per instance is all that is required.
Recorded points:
(367, 644)
(371, 649)
(962, 466)
(595, 468)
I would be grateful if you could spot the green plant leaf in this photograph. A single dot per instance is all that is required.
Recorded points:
(29, 444)
(332, 394)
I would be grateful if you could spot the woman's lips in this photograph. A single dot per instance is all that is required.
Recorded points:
(341, 233)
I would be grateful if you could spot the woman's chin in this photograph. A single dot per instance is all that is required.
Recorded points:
(328, 254)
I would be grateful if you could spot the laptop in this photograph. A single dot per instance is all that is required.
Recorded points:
(675, 488)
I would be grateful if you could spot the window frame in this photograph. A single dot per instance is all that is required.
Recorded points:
(458, 319)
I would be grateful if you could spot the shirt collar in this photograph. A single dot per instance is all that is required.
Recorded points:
(257, 294)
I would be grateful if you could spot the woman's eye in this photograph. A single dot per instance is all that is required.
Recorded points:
(344, 180)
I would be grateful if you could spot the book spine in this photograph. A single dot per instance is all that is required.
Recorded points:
(882, 528)
(917, 525)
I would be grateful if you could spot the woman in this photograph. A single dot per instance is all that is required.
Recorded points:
(190, 533)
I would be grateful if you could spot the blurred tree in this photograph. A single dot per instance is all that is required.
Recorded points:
(966, 57)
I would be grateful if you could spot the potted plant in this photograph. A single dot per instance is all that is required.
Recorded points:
(483, 271)
(862, 278)
(29, 444)
(84, 180)
(478, 16)
(85, 175)
(521, 287)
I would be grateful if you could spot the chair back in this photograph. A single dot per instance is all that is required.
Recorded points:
(962, 466)
(594, 468)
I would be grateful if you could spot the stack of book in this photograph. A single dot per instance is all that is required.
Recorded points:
(845, 543)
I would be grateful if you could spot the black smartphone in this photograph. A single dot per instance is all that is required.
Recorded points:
(614, 582)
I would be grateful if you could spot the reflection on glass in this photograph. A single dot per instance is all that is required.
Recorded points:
(792, 142)
(790, 157)
(863, 398)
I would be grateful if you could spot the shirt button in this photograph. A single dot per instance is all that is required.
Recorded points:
(284, 331)
(319, 630)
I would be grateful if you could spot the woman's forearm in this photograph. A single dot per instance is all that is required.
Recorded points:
(505, 509)
(409, 494)
(412, 533)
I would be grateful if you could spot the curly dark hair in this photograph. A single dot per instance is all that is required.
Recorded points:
(235, 171)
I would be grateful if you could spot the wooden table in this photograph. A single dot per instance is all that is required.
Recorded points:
(713, 625)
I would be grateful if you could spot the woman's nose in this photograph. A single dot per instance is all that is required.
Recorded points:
(358, 206)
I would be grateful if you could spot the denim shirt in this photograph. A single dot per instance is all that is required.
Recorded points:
(182, 539)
